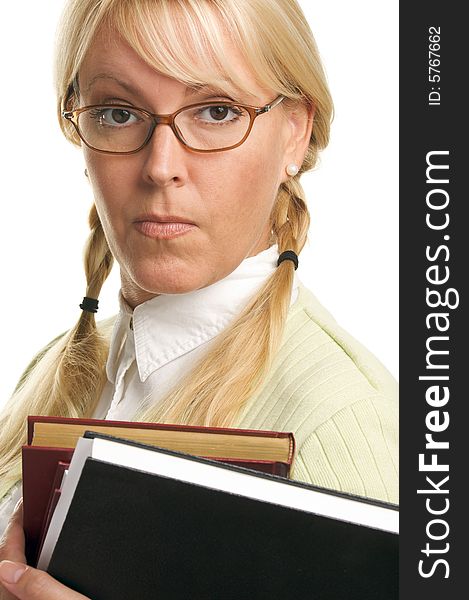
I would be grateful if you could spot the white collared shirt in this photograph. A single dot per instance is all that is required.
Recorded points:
(154, 346)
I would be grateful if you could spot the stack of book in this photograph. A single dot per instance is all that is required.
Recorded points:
(51, 442)
(134, 520)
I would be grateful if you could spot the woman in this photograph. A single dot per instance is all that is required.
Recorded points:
(196, 120)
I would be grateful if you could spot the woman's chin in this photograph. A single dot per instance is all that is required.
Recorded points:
(143, 285)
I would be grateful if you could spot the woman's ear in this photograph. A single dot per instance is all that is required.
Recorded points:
(300, 118)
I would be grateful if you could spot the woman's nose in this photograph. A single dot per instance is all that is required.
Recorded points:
(164, 158)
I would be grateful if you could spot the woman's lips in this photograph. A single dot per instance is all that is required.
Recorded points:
(163, 231)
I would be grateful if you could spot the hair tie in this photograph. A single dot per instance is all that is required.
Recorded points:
(288, 255)
(89, 305)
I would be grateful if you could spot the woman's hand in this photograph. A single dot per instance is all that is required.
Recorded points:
(17, 580)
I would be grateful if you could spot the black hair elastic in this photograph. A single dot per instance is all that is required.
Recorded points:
(89, 304)
(288, 255)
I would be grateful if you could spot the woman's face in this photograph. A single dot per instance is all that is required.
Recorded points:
(227, 197)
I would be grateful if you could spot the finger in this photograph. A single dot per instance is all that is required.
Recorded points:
(5, 595)
(26, 583)
(12, 543)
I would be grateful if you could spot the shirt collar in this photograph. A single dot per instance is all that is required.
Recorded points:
(170, 325)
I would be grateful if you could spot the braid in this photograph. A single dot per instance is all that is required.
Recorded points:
(98, 264)
(98, 257)
(66, 379)
(290, 217)
(80, 372)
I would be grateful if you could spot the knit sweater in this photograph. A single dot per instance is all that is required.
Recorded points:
(338, 400)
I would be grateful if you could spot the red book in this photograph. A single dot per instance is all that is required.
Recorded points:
(51, 440)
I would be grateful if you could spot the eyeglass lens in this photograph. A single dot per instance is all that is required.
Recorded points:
(124, 129)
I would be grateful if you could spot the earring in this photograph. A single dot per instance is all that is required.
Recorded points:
(292, 169)
(86, 172)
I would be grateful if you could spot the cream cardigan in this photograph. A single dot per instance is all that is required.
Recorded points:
(338, 400)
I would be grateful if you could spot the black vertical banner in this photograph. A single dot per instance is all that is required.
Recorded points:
(434, 164)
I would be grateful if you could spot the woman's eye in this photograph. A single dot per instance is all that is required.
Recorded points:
(114, 117)
(219, 114)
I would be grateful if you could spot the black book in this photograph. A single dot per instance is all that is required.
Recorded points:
(139, 522)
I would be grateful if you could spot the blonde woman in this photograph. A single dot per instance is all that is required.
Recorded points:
(196, 119)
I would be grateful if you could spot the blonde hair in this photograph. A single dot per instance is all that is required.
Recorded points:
(277, 44)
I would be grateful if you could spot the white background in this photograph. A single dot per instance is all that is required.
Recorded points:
(351, 260)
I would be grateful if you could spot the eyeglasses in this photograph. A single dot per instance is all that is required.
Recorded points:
(202, 127)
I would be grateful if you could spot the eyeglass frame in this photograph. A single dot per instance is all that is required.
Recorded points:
(168, 119)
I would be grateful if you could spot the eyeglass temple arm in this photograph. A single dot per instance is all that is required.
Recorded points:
(271, 105)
